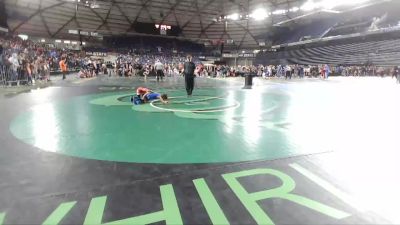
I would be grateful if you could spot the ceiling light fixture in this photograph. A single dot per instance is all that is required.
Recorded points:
(329, 4)
(259, 14)
(234, 16)
(308, 6)
(23, 37)
(279, 12)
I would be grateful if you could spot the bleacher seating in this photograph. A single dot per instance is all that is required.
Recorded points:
(151, 44)
(381, 52)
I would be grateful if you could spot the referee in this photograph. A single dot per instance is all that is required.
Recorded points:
(188, 71)
(158, 66)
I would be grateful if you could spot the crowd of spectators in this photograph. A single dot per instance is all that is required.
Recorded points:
(301, 71)
(30, 61)
(323, 70)
(35, 61)
(25, 59)
(152, 45)
(143, 64)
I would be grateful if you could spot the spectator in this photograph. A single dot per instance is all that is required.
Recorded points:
(14, 66)
(63, 67)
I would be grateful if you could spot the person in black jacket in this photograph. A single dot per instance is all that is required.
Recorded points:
(1, 54)
(188, 71)
(396, 73)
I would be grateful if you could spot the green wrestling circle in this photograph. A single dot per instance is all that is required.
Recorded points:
(213, 127)
(126, 98)
(196, 104)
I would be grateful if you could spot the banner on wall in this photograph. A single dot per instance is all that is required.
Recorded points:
(241, 55)
(246, 55)
(4, 29)
(229, 55)
(102, 54)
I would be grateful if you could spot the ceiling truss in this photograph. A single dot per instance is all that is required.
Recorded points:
(196, 18)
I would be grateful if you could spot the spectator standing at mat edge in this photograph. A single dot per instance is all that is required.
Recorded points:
(13, 60)
(288, 72)
(188, 71)
(327, 71)
(63, 67)
(396, 73)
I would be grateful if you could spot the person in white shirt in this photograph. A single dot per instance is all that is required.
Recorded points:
(14, 66)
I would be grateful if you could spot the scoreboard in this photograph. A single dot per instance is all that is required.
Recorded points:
(163, 28)
(157, 29)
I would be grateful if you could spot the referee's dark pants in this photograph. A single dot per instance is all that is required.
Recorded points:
(189, 83)
(159, 75)
(288, 75)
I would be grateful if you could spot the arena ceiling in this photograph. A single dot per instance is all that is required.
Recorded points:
(196, 18)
